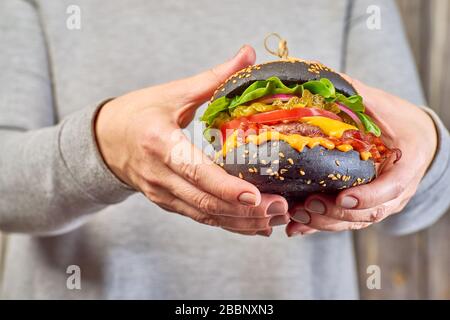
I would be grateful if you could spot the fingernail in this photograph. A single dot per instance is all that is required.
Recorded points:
(247, 198)
(276, 208)
(349, 202)
(316, 206)
(239, 51)
(302, 216)
(278, 221)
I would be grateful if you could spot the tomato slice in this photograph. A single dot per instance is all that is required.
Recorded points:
(251, 123)
(293, 114)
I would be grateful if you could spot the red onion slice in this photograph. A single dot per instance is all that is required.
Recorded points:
(352, 115)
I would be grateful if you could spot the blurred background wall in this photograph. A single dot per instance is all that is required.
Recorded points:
(417, 266)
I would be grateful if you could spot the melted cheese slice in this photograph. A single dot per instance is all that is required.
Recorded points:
(332, 128)
(296, 141)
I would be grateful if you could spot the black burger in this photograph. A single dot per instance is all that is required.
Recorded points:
(293, 128)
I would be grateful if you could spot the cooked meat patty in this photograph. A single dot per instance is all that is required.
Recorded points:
(300, 128)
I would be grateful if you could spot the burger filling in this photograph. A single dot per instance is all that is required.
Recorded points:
(309, 114)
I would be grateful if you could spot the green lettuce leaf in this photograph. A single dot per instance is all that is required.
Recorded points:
(369, 124)
(274, 85)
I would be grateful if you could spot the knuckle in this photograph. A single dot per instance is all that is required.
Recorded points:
(249, 212)
(192, 172)
(151, 180)
(206, 203)
(378, 214)
(150, 193)
(151, 140)
(340, 213)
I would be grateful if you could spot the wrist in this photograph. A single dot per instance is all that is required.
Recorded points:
(106, 132)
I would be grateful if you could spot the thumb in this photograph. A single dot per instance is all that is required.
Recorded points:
(198, 89)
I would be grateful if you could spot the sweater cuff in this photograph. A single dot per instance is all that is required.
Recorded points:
(81, 156)
(442, 157)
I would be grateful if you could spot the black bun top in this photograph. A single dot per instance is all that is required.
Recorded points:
(289, 72)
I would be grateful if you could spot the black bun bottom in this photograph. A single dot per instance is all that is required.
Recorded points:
(275, 167)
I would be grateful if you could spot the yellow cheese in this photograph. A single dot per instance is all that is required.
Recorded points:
(344, 147)
(296, 141)
(332, 128)
(231, 143)
(365, 155)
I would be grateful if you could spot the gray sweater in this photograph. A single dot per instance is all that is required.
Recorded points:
(61, 204)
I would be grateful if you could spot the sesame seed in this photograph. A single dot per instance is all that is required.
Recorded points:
(281, 178)
(269, 170)
(324, 185)
(221, 164)
(254, 155)
(281, 154)
(263, 161)
(250, 170)
(338, 163)
(234, 81)
(302, 173)
(276, 161)
(290, 161)
(322, 182)
(240, 175)
(283, 171)
(308, 181)
(246, 151)
(223, 89)
(338, 175)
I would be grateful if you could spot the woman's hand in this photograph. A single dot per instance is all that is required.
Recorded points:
(139, 136)
(404, 126)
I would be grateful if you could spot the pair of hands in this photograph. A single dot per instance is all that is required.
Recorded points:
(139, 136)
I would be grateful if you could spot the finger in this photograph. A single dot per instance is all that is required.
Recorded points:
(326, 205)
(245, 233)
(193, 165)
(294, 228)
(388, 186)
(264, 233)
(270, 204)
(174, 204)
(199, 88)
(250, 225)
(324, 223)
